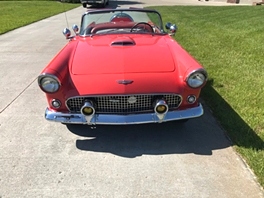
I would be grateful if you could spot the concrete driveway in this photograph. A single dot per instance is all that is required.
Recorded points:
(45, 159)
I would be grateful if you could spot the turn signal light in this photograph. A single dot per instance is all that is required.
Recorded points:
(56, 103)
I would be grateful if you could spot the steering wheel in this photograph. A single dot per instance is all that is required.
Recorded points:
(143, 26)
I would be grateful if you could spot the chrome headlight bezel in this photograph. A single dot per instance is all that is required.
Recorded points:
(49, 83)
(196, 78)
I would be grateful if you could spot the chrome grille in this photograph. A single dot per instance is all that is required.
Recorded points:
(123, 104)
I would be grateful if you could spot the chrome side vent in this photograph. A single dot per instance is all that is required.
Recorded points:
(122, 43)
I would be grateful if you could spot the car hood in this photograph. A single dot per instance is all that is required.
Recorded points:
(132, 83)
(122, 54)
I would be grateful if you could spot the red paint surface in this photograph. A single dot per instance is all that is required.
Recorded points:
(91, 66)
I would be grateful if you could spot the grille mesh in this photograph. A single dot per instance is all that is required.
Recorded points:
(123, 104)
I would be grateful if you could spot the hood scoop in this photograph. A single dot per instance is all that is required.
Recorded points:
(123, 41)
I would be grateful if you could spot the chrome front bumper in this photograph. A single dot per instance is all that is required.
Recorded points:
(112, 119)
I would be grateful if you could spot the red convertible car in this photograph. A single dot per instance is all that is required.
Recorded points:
(122, 67)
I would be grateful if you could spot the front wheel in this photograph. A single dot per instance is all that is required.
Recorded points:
(84, 5)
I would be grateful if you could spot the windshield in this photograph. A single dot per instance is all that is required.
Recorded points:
(136, 21)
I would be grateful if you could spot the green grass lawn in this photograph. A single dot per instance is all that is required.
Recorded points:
(229, 43)
(14, 14)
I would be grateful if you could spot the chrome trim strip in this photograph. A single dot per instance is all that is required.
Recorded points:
(113, 119)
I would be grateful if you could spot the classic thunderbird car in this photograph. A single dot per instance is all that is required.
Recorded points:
(122, 67)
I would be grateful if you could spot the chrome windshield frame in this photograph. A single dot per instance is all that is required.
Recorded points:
(85, 24)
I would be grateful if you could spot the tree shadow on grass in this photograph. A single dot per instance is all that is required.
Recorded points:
(237, 129)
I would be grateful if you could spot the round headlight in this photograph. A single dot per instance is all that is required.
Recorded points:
(196, 79)
(49, 84)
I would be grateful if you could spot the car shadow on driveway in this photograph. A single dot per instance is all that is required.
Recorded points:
(199, 136)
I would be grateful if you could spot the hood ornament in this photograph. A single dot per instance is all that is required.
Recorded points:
(125, 82)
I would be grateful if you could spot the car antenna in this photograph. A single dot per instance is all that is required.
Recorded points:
(67, 23)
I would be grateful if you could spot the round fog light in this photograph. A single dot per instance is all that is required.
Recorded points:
(191, 99)
(87, 111)
(161, 109)
(56, 103)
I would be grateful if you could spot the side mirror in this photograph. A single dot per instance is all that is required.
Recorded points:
(75, 28)
(172, 28)
(67, 33)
